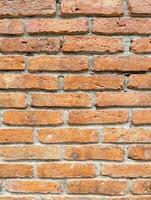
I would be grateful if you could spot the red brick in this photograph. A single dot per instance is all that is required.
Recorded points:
(65, 170)
(61, 197)
(35, 152)
(68, 135)
(16, 136)
(30, 44)
(9, 170)
(141, 45)
(123, 135)
(141, 117)
(57, 26)
(98, 117)
(29, 118)
(58, 63)
(97, 186)
(140, 81)
(141, 186)
(115, 99)
(93, 82)
(140, 8)
(132, 63)
(94, 152)
(12, 100)
(126, 170)
(103, 7)
(11, 26)
(62, 100)
(140, 152)
(122, 26)
(33, 186)
(17, 8)
(12, 63)
(28, 81)
(92, 44)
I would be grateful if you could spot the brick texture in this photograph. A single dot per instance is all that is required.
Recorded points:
(75, 99)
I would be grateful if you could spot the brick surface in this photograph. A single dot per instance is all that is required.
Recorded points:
(140, 8)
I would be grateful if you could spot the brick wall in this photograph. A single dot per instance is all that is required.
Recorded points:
(75, 100)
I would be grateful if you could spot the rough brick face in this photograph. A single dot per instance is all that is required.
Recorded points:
(75, 100)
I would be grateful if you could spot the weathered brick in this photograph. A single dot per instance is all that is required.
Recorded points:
(94, 152)
(129, 197)
(141, 45)
(132, 63)
(12, 63)
(141, 117)
(131, 99)
(11, 26)
(140, 152)
(36, 152)
(12, 100)
(92, 44)
(122, 26)
(97, 186)
(68, 135)
(9, 170)
(103, 7)
(33, 186)
(123, 135)
(66, 170)
(18, 198)
(62, 100)
(140, 81)
(16, 136)
(126, 170)
(17, 8)
(98, 117)
(29, 118)
(30, 44)
(141, 186)
(57, 26)
(58, 63)
(28, 81)
(93, 82)
(61, 197)
(140, 8)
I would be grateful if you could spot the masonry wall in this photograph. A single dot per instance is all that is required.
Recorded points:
(75, 100)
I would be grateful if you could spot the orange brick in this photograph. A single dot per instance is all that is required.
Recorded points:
(68, 135)
(141, 186)
(29, 118)
(122, 63)
(93, 82)
(123, 135)
(141, 117)
(94, 152)
(132, 197)
(66, 170)
(12, 100)
(33, 186)
(16, 136)
(26, 8)
(58, 63)
(18, 198)
(141, 45)
(62, 100)
(92, 44)
(61, 197)
(15, 170)
(97, 186)
(12, 63)
(11, 26)
(126, 170)
(28, 81)
(98, 117)
(122, 26)
(103, 7)
(140, 152)
(57, 26)
(140, 81)
(140, 8)
(30, 44)
(115, 99)
(34, 152)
